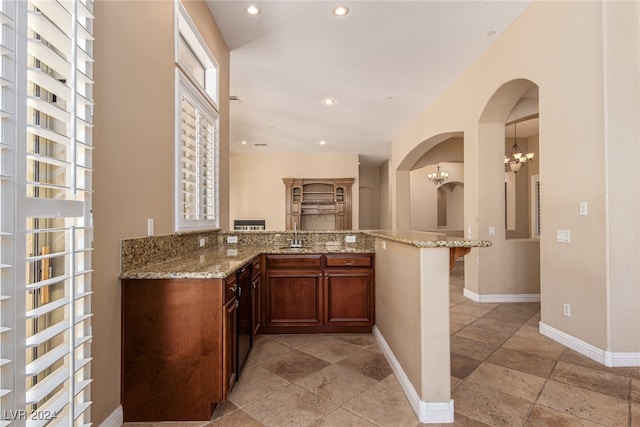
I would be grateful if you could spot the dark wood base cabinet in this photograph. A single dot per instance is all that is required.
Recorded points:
(330, 293)
(182, 344)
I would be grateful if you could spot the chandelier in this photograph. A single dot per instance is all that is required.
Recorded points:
(438, 177)
(517, 159)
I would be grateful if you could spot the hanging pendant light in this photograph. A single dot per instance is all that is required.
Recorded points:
(517, 159)
(438, 178)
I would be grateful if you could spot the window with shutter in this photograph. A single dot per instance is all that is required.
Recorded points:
(52, 190)
(197, 124)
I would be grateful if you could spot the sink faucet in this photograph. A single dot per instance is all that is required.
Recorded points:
(296, 242)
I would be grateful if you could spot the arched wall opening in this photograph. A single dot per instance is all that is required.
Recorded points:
(510, 269)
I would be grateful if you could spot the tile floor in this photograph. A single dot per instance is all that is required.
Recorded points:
(503, 373)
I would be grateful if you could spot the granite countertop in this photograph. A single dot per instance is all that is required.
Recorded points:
(423, 239)
(219, 262)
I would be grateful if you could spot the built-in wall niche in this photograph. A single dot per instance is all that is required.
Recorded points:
(318, 204)
(450, 202)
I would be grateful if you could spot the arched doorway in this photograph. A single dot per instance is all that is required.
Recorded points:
(510, 270)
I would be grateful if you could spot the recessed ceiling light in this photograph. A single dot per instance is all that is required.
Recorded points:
(340, 11)
(491, 33)
(253, 10)
(323, 142)
(244, 142)
(328, 101)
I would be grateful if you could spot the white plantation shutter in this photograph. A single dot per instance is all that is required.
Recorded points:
(196, 128)
(198, 156)
(8, 269)
(53, 191)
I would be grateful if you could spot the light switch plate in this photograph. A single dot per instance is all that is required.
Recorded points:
(150, 227)
(492, 231)
(232, 239)
(583, 208)
(350, 239)
(563, 236)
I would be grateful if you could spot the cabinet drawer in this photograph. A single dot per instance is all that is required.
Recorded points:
(349, 261)
(294, 261)
(230, 287)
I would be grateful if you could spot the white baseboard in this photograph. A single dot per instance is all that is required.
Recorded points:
(501, 297)
(116, 419)
(427, 412)
(607, 358)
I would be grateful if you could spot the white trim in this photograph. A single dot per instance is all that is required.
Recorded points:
(116, 419)
(501, 297)
(607, 358)
(427, 412)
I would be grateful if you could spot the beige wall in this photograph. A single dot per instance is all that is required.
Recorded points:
(572, 72)
(134, 155)
(257, 190)
(369, 193)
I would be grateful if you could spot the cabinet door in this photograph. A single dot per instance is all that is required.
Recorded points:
(294, 298)
(349, 297)
(229, 349)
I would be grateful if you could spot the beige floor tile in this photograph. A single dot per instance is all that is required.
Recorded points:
(362, 340)
(478, 333)
(524, 362)
(463, 366)
(369, 363)
(635, 415)
(337, 383)
(223, 408)
(290, 406)
(484, 305)
(592, 379)
(541, 416)
(265, 350)
(514, 312)
(459, 420)
(529, 340)
(470, 348)
(342, 418)
(455, 327)
(635, 391)
(299, 340)
(332, 350)
(455, 382)
(236, 419)
(255, 382)
(497, 325)
(465, 314)
(597, 407)
(295, 365)
(489, 406)
(575, 358)
(509, 381)
(384, 405)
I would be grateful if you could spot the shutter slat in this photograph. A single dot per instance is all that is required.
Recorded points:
(52, 381)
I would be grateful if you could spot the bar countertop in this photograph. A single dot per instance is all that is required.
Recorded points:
(424, 239)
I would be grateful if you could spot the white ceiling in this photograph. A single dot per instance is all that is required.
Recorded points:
(383, 63)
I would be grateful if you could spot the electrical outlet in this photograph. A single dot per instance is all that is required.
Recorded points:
(350, 239)
(150, 227)
(383, 244)
(232, 239)
(492, 231)
(201, 259)
(232, 252)
(566, 310)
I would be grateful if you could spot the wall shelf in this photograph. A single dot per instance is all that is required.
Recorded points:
(318, 204)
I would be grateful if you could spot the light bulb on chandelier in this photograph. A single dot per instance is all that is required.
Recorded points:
(438, 178)
(517, 159)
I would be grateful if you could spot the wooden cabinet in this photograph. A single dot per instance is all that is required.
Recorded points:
(319, 293)
(180, 347)
(348, 291)
(318, 204)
